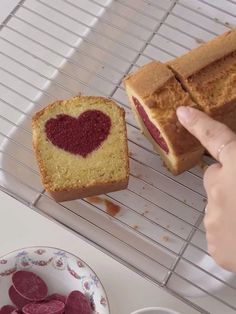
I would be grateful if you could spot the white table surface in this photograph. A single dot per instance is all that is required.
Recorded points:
(20, 227)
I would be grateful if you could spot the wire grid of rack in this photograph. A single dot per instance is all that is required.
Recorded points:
(56, 49)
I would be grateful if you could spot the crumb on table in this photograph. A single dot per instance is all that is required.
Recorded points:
(165, 238)
(229, 25)
(199, 40)
(111, 208)
(94, 199)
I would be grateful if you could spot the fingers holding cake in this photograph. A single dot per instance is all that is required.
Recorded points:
(219, 183)
(216, 137)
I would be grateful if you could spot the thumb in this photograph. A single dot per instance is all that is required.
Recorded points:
(212, 134)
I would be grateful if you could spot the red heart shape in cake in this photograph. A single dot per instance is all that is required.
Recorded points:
(79, 136)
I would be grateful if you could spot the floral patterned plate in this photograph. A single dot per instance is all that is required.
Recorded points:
(62, 271)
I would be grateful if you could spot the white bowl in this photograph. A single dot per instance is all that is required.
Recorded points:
(154, 310)
(62, 271)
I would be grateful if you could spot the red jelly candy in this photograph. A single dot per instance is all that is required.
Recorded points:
(29, 285)
(16, 298)
(7, 309)
(77, 303)
(57, 296)
(50, 307)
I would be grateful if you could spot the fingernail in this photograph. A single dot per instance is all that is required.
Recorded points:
(184, 114)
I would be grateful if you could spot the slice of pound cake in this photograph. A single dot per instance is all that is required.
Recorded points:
(81, 147)
(154, 94)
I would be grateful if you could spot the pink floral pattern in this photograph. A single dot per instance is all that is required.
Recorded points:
(80, 264)
(8, 272)
(42, 262)
(73, 273)
(103, 301)
(3, 261)
(60, 260)
(40, 251)
(87, 284)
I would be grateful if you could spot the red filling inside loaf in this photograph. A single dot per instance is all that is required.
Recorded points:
(153, 130)
(80, 135)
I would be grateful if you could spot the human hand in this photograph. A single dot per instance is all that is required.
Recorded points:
(219, 182)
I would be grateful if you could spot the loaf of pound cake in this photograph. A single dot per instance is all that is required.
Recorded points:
(81, 147)
(208, 73)
(204, 78)
(154, 94)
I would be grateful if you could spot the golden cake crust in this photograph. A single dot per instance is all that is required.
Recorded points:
(76, 191)
(199, 58)
(208, 73)
(149, 79)
(91, 190)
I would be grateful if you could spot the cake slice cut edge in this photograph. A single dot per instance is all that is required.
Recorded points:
(155, 94)
(176, 164)
(66, 175)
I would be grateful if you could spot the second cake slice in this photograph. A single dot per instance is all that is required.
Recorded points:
(154, 94)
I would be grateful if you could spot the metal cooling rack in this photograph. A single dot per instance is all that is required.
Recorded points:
(59, 48)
